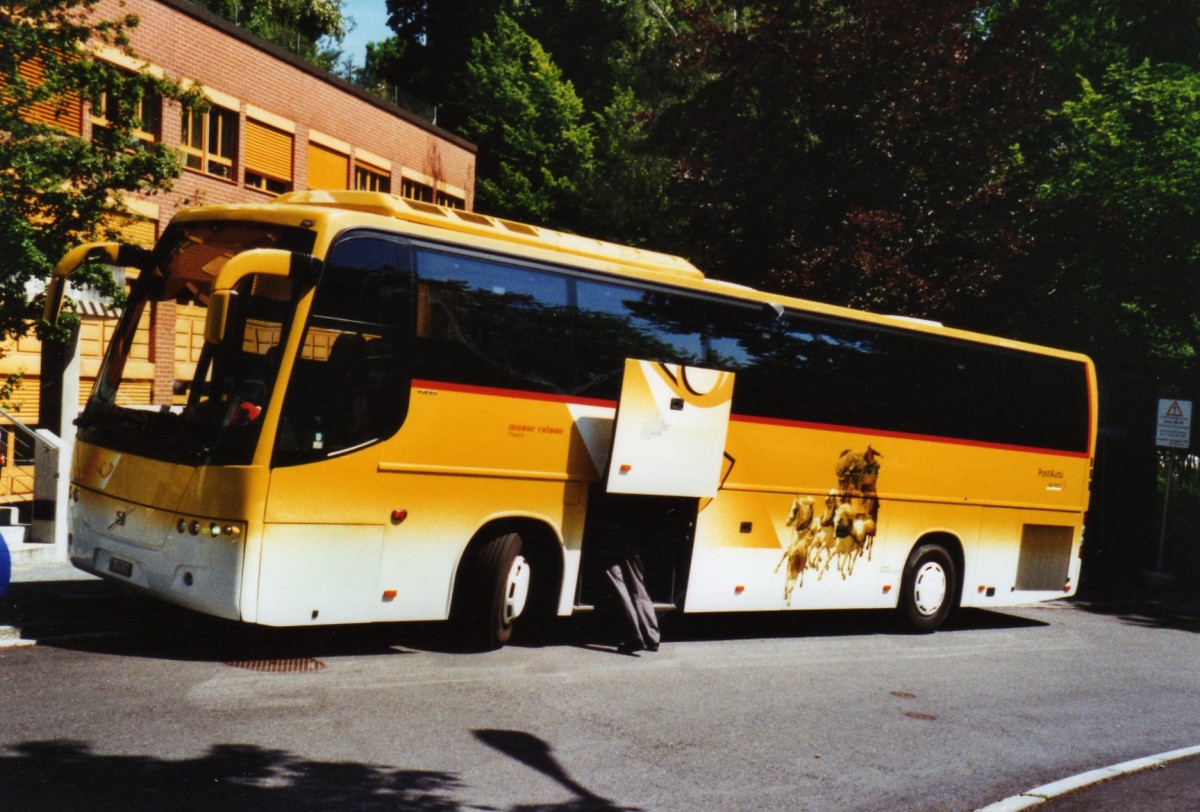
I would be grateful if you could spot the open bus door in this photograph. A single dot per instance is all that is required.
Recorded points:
(668, 454)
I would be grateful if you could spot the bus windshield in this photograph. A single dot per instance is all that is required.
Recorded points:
(219, 423)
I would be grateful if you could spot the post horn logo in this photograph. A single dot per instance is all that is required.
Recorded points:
(122, 515)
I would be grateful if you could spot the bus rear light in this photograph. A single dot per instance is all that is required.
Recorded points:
(399, 515)
(739, 589)
(210, 529)
(887, 588)
(389, 595)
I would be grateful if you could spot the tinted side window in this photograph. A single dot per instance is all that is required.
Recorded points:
(486, 323)
(616, 322)
(350, 385)
(812, 369)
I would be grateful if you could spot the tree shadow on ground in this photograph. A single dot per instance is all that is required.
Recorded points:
(1147, 614)
(1141, 600)
(68, 775)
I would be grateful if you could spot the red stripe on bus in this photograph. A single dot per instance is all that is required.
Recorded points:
(513, 393)
(766, 421)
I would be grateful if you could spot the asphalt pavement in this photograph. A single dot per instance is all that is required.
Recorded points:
(83, 604)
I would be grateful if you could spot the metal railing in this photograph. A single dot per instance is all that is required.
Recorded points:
(18, 444)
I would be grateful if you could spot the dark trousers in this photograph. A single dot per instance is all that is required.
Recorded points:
(635, 610)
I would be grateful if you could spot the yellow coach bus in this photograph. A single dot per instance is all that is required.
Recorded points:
(406, 412)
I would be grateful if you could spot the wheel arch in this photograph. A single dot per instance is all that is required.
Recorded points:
(541, 546)
(954, 547)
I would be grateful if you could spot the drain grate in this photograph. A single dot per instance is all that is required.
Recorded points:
(297, 665)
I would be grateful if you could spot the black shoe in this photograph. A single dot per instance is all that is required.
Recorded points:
(652, 647)
(630, 647)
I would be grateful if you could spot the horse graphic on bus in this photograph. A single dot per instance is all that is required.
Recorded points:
(842, 531)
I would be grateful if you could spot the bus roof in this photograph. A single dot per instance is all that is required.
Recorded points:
(469, 222)
(666, 266)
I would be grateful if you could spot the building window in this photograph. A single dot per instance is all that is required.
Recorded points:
(370, 179)
(327, 169)
(268, 158)
(416, 191)
(210, 141)
(148, 112)
(450, 201)
(265, 183)
(64, 112)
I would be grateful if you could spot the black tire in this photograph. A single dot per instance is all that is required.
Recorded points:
(929, 588)
(491, 593)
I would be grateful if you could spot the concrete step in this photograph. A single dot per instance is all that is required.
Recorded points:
(28, 554)
(23, 552)
(10, 637)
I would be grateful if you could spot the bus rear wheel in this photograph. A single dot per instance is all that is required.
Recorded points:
(493, 592)
(930, 584)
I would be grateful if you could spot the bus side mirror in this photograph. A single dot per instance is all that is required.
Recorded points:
(220, 307)
(107, 252)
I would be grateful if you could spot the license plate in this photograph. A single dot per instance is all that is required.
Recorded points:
(122, 568)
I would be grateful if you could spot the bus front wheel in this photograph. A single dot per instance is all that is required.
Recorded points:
(493, 592)
(930, 584)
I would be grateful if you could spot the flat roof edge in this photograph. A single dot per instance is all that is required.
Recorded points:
(216, 21)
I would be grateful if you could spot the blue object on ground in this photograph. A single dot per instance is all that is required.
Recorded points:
(5, 567)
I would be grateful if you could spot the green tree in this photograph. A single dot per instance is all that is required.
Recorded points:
(433, 41)
(311, 29)
(853, 152)
(1117, 253)
(1119, 210)
(614, 55)
(534, 142)
(58, 189)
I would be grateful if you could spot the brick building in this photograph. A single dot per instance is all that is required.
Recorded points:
(276, 124)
